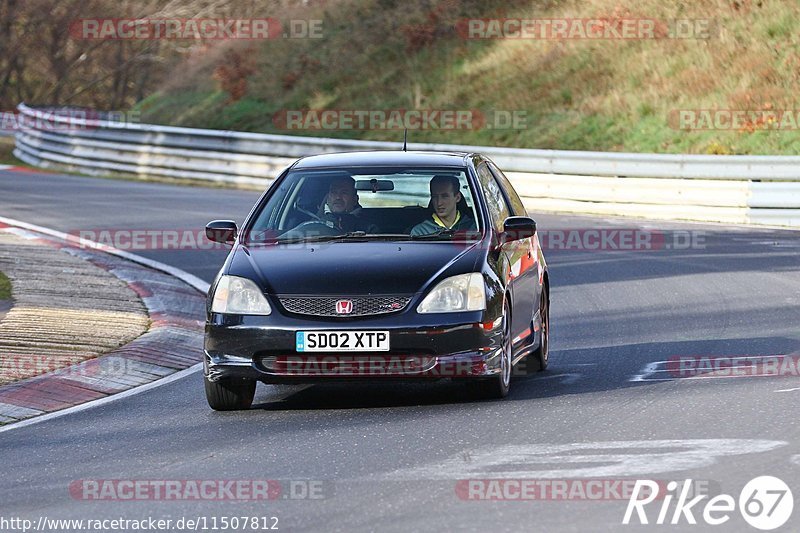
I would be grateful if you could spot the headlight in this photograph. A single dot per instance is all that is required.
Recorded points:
(465, 292)
(239, 296)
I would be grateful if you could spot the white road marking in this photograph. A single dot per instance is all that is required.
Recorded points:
(648, 370)
(585, 459)
(184, 276)
(658, 368)
(788, 390)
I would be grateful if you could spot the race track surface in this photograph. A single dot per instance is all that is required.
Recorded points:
(619, 402)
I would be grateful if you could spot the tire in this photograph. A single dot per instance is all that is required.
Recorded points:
(541, 356)
(496, 387)
(230, 395)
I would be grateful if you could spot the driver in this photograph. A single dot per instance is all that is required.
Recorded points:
(343, 209)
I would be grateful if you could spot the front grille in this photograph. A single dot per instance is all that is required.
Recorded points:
(326, 305)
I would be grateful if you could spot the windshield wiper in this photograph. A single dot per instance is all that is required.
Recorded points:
(292, 240)
(355, 235)
(444, 232)
(363, 235)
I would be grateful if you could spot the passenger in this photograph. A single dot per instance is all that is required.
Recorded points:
(445, 198)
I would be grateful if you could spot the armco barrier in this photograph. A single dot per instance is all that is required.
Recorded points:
(734, 189)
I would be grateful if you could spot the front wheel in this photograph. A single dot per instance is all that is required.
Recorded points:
(230, 394)
(497, 386)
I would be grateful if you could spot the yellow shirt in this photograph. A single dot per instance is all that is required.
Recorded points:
(439, 221)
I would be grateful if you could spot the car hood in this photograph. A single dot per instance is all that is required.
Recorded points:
(351, 268)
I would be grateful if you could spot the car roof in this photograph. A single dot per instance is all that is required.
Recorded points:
(383, 158)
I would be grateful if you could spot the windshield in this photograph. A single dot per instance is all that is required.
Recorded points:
(368, 203)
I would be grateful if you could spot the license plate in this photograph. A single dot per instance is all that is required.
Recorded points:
(342, 341)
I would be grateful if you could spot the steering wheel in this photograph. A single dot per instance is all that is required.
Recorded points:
(308, 228)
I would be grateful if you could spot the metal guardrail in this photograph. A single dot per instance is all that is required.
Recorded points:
(736, 189)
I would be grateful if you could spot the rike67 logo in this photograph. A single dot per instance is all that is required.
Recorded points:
(765, 503)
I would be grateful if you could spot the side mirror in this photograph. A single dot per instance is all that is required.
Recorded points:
(516, 228)
(223, 231)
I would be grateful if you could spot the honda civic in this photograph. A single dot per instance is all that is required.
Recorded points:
(385, 265)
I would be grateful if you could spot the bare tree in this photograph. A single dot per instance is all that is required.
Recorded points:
(42, 61)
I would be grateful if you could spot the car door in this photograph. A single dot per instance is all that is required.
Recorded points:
(528, 275)
(510, 255)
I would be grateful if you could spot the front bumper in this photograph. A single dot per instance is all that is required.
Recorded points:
(425, 347)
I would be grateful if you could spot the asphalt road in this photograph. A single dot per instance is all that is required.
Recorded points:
(613, 405)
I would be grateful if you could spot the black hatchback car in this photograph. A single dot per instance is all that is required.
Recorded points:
(378, 265)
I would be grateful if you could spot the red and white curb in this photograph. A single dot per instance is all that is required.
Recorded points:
(169, 350)
(12, 168)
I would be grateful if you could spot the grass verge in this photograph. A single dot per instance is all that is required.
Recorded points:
(578, 94)
(7, 152)
(5, 287)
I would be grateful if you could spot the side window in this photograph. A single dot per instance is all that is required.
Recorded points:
(511, 194)
(498, 208)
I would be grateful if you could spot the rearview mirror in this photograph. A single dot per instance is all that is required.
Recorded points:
(516, 228)
(223, 231)
(374, 185)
